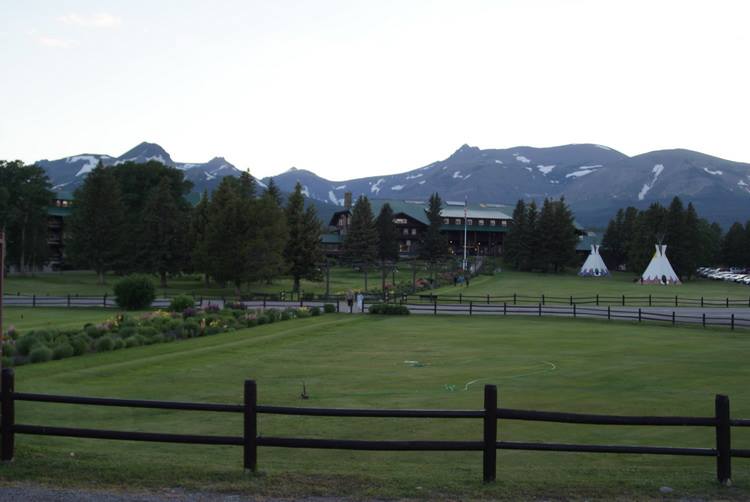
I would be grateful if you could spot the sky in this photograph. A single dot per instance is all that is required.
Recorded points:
(350, 88)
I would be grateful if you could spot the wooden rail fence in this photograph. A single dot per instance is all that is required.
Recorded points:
(490, 415)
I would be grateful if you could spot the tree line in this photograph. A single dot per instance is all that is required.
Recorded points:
(543, 240)
(691, 241)
(136, 218)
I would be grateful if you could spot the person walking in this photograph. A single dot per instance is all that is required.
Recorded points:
(350, 299)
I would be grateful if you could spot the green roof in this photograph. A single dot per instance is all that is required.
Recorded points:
(417, 209)
(498, 229)
(331, 238)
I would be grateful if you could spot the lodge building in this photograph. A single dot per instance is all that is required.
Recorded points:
(486, 226)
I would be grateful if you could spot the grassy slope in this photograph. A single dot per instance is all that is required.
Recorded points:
(535, 284)
(358, 361)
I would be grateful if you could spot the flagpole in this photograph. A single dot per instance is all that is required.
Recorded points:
(465, 229)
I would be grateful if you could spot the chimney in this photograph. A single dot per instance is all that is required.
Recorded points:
(347, 200)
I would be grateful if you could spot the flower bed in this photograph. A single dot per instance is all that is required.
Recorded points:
(125, 331)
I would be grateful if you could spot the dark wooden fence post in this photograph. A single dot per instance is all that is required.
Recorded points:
(460, 298)
(505, 308)
(488, 298)
(250, 446)
(514, 298)
(490, 433)
(723, 441)
(676, 302)
(471, 306)
(639, 314)
(727, 302)
(701, 302)
(104, 300)
(732, 321)
(704, 319)
(673, 318)
(609, 313)
(623, 300)
(574, 311)
(7, 408)
(434, 305)
(542, 299)
(649, 299)
(597, 299)
(33, 300)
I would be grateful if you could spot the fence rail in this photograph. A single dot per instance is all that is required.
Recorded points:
(490, 414)
(682, 315)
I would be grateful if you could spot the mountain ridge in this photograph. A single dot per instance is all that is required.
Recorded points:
(596, 180)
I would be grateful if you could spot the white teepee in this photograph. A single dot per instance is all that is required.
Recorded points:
(594, 265)
(660, 271)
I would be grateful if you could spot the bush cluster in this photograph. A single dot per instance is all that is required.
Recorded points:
(388, 309)
(135, 330)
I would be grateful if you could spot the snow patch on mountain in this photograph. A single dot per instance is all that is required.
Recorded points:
(340, 187)
(578, 174)
(422, 182)
(603, 147)
(332, 197)
(305, 191)
(528, 169)
(457, 174)
(498, 161)
(741, 183)
(413, 176)
(90, 160)
(185, 167)
(715, 173)
(209, 176)
(545, 170)
(521, 158)
(377, 186)
(658, 168)
(398, 187)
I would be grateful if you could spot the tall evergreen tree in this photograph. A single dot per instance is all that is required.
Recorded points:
(96, 222)
(434, 246)
(164, 228)
(532, 238)
(649, 229)
(387, 248)
(545, 250)
(199, 258)
(514, 242)
(274, 191)
(692, 245)
(361, 240)
(271, 239)
(227, 234)
(614, 245)
(563, 237)
(676, 236)
(303, 252)
(734, 246)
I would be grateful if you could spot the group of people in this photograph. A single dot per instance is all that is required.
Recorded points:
(351, 298)
(461, 280)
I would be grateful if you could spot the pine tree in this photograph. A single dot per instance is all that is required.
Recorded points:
(387, 249)
(563, 236)
(734, 246)
(531, 238)
(274, 191)
(96, 222)
(692, 251)
(514, 239)
(227, 234)
(361, 240)
(163, 247)
(303, 252)
(199, 258)
(270, 239)
(676, 236)
(614, 246)
(434, 247)
(543, 254)
(649, 229)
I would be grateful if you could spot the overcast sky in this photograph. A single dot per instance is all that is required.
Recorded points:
(352, 88)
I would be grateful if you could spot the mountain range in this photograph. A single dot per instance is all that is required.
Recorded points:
(595, 180)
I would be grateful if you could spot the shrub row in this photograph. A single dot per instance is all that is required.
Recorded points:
(388, 309)
(133, 331)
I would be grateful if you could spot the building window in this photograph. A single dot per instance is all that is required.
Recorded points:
(505, 223)
(469, 221)
(405, 231)
(458, 221)
(414, 231)
(492, 223)
(481, 223)
(400, 221)
(446, 221)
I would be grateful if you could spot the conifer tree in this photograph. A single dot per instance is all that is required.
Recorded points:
(563, 237)
(513, 248)
(361, 240)
(271, 239)
(163, 250)
(543, 253)
(199, 258)
(734, 246)
(275, 192)
(96, 222)
(387, 248)
(434, 247)
(676, 236)
(303, 252)
(531, 240)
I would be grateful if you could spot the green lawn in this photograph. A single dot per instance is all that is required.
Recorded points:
(361, 361)
(85, 283)
(564, 285)
(25, 319)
